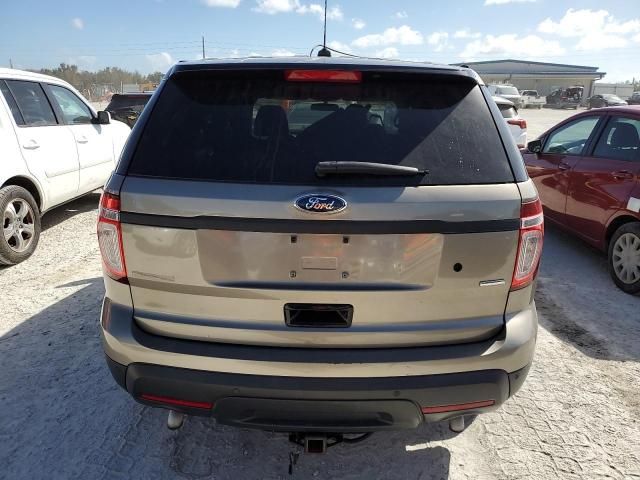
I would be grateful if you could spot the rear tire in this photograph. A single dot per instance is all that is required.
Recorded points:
(624, 258)
(20, 225)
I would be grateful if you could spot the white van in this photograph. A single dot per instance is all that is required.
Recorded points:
(54, 147)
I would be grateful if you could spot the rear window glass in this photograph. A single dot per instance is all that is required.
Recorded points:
(133, 102)
(256, 127)
(13, 106)
(507, 91)
(32, 102)
(508, 111)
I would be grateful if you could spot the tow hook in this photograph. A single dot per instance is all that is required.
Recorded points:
(175, 420)
(315, 444)
(318, 443)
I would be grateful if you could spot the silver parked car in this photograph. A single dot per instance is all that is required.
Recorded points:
(371, 269)
(509, 92)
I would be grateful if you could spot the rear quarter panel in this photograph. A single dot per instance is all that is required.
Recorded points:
(632, 210)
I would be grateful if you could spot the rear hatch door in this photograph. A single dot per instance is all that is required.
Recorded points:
(230, 235)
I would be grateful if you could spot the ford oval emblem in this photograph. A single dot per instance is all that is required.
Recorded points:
(319, 203)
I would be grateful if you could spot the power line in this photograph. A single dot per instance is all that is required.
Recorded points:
(9, 46)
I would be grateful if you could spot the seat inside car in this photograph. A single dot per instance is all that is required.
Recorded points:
(271, 123)
(274, 142)
(624, 142)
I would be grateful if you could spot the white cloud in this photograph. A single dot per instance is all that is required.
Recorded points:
(437, 37)
(358, 24)
(512, 45)
(160, 61)
(630, 26)
(597, 41)
(222, 3)
(575, 23)
(595, 29)
(77, 23)
(281, 52)
(343, 47)
(401, 15)
(333, 13)
(389, 52)
(504, 2)
(314, 8)
(438, 40)
(464, 33)
(403, 35)
(272, 7)
(636, 38)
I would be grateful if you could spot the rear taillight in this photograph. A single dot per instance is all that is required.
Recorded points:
(110, 237)
(458, 406)
(336, 76)
(518, 121)
(529, 244)
(176, 401)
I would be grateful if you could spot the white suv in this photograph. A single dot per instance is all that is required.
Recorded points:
(54, 147)
(517, 124)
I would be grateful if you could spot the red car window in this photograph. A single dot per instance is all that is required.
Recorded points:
(620, 140)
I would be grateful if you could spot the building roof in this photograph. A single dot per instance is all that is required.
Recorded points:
(530, 62)
(526, 67)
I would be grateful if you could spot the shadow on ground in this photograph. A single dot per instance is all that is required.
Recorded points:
(64, 417)
(579, 303)
(64, 212)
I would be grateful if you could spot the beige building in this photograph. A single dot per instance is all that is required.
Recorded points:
(540, 76)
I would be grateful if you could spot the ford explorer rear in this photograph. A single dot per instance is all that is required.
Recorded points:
(320, 245)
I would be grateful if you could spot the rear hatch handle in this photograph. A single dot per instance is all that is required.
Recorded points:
(366, 168)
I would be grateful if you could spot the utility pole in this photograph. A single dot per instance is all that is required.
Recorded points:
(10, 63)
(203, 55)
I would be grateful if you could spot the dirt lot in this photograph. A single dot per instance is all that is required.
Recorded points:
(63, 416)
(538, 121)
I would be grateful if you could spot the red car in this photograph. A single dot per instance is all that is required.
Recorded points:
(587, 171)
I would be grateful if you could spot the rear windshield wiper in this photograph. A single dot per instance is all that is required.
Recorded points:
(366, 168)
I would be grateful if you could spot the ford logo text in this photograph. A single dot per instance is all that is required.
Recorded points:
(316, 203)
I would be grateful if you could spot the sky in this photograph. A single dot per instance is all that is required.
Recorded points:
(151, 35)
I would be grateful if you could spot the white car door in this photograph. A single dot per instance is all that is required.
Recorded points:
(47, 147)
(93, 141)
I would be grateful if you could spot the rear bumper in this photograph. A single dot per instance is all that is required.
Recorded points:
(510, 350)
(318, 389)
(317, 404)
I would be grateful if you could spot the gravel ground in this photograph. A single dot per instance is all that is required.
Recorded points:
(63, 416)
(539, 121)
